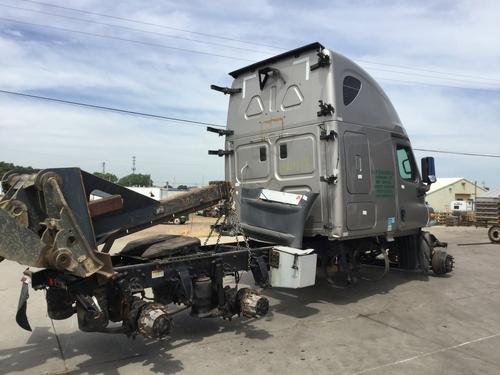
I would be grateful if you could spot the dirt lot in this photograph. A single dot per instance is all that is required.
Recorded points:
(406, 323)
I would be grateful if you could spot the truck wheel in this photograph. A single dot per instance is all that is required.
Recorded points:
(441, 262)
(177, 221)
(494, 234)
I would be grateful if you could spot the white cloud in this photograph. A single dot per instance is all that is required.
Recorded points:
(450, 36)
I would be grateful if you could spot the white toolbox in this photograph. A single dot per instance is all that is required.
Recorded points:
(292, 268)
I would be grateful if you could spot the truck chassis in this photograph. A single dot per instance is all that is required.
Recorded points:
(47, 220)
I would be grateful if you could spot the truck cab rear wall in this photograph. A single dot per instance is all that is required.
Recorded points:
(311, 120)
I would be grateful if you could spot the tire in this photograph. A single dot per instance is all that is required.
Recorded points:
(177, 221)
(494, 234)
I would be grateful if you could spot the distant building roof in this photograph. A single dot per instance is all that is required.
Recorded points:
(493, 193)
(443, 182)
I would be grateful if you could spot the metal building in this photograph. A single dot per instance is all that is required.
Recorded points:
(447, 190)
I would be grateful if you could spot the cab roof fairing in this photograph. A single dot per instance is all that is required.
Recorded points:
(371, 107)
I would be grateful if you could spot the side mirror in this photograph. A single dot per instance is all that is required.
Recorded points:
(428, 170)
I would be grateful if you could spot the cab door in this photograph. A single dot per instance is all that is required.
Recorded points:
(412, 211)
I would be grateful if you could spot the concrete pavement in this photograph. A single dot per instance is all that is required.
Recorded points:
(406, 323)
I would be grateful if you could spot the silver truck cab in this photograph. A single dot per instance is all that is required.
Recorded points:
(311, 120)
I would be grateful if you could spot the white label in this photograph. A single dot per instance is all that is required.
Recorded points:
(365, 212)
(281, 197)
(243, 92)
(157, 273)
(360, 176)
(306, 61)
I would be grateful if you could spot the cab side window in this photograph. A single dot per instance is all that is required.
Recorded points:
(406, 164)
(351, 87)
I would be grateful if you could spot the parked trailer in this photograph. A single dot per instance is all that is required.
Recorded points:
(488, 215)
(321, 174)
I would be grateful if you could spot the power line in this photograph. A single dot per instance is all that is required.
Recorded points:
(428, 70)
(125, 39)
(437, 77)
(149, 23)
(112, 109)
(459, 153)
(193, 122)
(219, 55)
(252, 50)
(134, 29)
(247, 42)
(491, 88)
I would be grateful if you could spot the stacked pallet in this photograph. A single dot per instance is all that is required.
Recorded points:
(441, 217)
(487, 211)
(452, 221)
(466, 219)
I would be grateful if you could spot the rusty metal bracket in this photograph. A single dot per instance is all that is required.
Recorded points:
(66, 247)
(59, 244)
(48, 221)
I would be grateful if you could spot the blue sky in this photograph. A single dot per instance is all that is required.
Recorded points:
(405, 45)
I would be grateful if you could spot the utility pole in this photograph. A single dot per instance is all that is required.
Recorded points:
(133, 164)
(475, 195)
(474, 203)
(103, 167)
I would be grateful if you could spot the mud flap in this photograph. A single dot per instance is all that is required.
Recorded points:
(21, 317)
(274, 216)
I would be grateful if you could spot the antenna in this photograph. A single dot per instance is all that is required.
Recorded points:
(133, 164)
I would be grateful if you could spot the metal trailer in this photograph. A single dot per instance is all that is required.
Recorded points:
(311, 120)
(488, 214)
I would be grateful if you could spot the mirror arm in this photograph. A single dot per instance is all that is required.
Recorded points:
(423, 188)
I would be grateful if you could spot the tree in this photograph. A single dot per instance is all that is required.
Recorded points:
(182, 187)
(106, 176)
(6, 167)
(136, 179)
